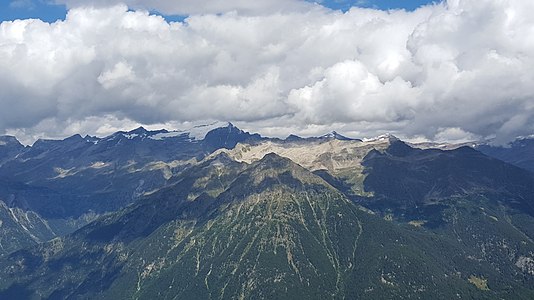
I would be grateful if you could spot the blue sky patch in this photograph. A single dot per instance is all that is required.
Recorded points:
(44, 10)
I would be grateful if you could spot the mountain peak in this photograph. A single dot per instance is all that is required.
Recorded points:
(272, 157)
(226, 125)
(200, 132)
(226, 137)
(273, 165)
(335, 135)
(75, 137)
(292, 138)
(9, 140)
(139, 130)
(384, 137)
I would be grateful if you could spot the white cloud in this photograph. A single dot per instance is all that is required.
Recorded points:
(349, 92)
(465, 67)
(190, 7)
(455, 135)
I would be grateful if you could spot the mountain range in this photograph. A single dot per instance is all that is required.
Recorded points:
(219, 213)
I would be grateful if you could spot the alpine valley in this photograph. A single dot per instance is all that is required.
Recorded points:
(218, 213)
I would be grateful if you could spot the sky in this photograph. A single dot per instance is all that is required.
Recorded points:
(452, 71)
(51, 11)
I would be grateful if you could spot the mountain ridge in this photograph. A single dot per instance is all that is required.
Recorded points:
(267, 229)
(239, 215)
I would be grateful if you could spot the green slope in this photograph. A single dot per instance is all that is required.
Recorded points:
(273, 230)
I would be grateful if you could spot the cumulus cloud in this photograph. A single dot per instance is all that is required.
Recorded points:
(456, 70)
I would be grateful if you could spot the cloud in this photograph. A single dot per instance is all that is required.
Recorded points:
(188, 7)
(22, 4)
(455, 135)
(349, 92)
(454, 70)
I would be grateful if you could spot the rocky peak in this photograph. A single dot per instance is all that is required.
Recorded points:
(335, 135)
(8, 140)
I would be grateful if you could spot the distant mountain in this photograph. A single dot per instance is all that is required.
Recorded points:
(272, 229)
(407, 181)
(387, 175)
(339, 161)
(329, 136)
(227, 137)
(337, 136)
(520, 152)
(73, 180)
(9, 148)
(228, 215)
(102, 174)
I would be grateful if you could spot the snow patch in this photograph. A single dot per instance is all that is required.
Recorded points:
(381, 138)
(63, 173)
(165, 135)
(196, 133)
(200, 132)
(99, 165)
